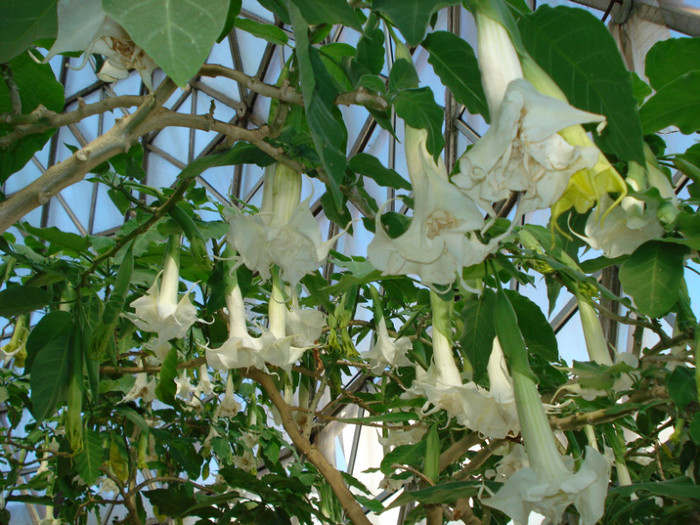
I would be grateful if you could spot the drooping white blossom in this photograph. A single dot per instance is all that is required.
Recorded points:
(273, 346)
(549, 485)
(521, 151)
(144, 388)
(441, 238)
(160, 311)
(387, 351)
(283, 232)
(228, 407)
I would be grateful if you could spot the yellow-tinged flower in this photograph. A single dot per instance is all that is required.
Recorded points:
(521, 151)
(634, 222)
(441, 238)
(159, 310)
(589, 185)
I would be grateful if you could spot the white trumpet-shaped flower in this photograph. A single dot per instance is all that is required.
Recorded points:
(305, 326)
(623, 229)
(387, 351)
(440, 240)
(283, 232)
(229, 407)
(144, 388)
(521, 151)
(241, 350)
(84, 26)
(160, 311)
(549, 485)
(273, 346)
(491, 412)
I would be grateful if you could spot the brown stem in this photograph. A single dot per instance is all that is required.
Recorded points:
(75, 167)
(288, 94)
(42, 119)
(433, 514)
(128, 501)
(333, 477)
(605, 415)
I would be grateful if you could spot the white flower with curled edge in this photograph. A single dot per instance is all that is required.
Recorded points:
(283, 232)
(228, 407)
(521, 151)
(159, 310)
(144, 388)
(634, 222)
(549, 485)
(441, 238)
(387, 351)
(491, 412)
(273, 346)
(241, 350)
(84, 26)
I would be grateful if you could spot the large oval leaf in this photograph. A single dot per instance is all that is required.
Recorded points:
(652, 276)
(176, 35)
(580, 55)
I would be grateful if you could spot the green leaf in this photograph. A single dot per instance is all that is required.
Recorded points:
(537, 332)
(36, 85)
(681, 487)
(455, 63)
(403, 75)
(392, 417)
(240, 153)
(681, 387)
(89, 461)
(578, 52)
(370, 166)
(50, 375)
(178, 36)
(173, 501)
(166, 388)
(18, 300)
(431, 463)
(52, 325)
(328, 12)
(403, 455)
(479, 331)
(442, 493)
(370, 50)
(234, 7)
(277, 7)
(22, 23)
(652, 276)
(694, 428)
(418, 108)
(66, 240)
(323, 117)
(269, 32)
(675, 104)
(510, 336)
(411, 17)
(670, 59)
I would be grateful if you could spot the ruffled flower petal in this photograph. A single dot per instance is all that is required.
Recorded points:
(439, 241)
(387, 351)
(521, 151)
